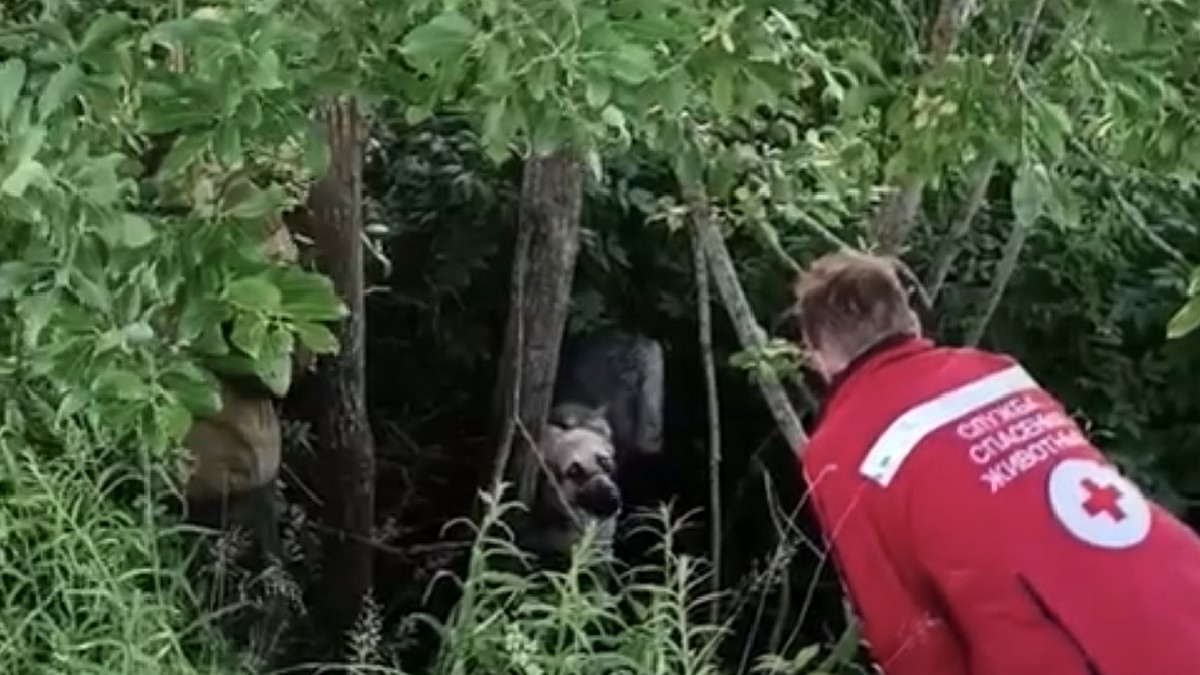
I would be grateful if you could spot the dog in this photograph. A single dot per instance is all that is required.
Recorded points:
(577, 483)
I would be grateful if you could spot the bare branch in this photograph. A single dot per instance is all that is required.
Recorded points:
(1004, 273)
(749, 332)
(704, 316)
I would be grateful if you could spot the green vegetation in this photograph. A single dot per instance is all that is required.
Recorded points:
(1035, 163)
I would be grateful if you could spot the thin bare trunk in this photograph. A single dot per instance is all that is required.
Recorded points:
(750, 333)
(704, 316)
(347, 446)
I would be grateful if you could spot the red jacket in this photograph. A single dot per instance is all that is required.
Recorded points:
(978, 532)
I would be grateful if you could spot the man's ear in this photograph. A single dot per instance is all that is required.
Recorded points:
(918, 329)
(819, 366)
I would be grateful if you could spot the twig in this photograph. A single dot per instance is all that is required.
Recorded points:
(1004, 273)
(951, 245)
(704, 315)
(512, 407)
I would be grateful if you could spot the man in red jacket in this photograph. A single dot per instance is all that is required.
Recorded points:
(977, 530)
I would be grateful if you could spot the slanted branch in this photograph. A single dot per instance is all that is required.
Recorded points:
(750, 334)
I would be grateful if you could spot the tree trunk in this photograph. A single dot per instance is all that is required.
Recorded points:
(543, 261)
(343, 429)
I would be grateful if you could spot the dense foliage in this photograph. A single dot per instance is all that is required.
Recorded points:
(147, 147)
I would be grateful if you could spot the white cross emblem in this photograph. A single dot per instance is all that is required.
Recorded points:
(1098, 505)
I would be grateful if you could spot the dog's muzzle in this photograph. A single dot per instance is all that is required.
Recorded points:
(600, 497)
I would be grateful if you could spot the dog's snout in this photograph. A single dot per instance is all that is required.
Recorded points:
(600, 497)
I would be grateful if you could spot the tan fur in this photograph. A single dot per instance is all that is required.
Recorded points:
(236, 450)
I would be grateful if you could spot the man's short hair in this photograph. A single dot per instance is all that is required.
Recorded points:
(849, 301)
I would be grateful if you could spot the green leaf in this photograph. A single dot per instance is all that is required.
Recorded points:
(72, 404)
(1193, 287)
(1185, 320)
(211, 341)
(102, 31)
(632, 64)
(26, 173)
(674, 94)
(246, 201)
(857, 100)
(1028, 197)
(163, 120)
(722, 92)
(138, 333)
(249, 334)
(494, 129)
(232, 364)
(183, 152)
(598, 90)
(265, 75)
(316, 337)
(274, 366)
(316, 153)
(37, 310)
(194, 387)
(90, 293)
(228, 145)
(62, 85)
(613, 117)
(175, 420)
(14, 275)
(12, 79)
(866, 63)
(120, 384)
(1123, 24)
(135, 231)
(249, 113)
(308, 296)
(200, 314)
(255, 293)
(446, 36)
(31, 142)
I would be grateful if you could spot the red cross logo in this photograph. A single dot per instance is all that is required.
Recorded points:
(1081, 491)
(1102, 499)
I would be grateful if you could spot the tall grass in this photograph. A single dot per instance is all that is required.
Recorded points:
(588, 617)
(94, 578)
(592, 615)
(91, 575)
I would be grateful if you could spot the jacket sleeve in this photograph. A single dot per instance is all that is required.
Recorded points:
(990, 612)
(903, 637)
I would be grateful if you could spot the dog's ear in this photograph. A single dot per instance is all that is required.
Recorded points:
(552, 439)
(597, 421)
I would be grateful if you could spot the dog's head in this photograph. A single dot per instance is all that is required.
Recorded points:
(581, 459)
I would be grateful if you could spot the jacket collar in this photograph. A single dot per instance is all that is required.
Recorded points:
(886, 349)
